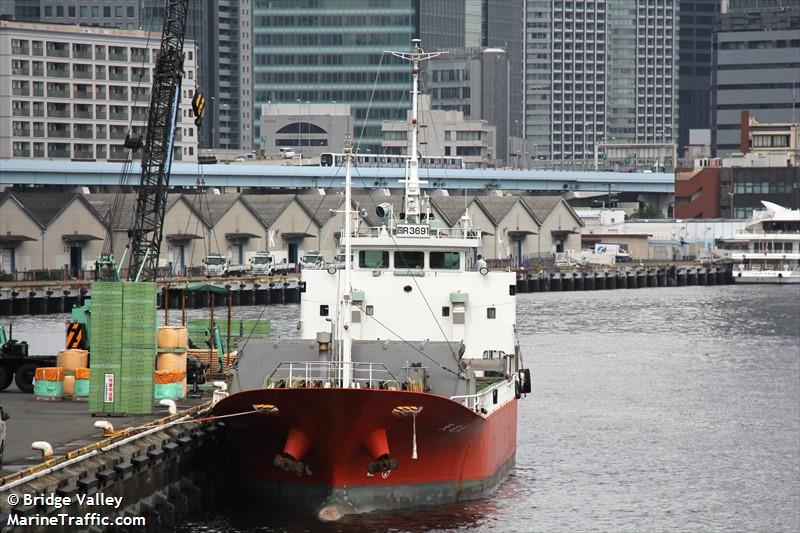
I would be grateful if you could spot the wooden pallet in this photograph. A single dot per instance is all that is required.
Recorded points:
(211, 358)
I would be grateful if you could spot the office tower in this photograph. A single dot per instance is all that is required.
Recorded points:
(756, 55)
(75, 93)
(696, 23)
(463, 27)
(221, 31)
(599, 72)
(332, 51)
(474, 81)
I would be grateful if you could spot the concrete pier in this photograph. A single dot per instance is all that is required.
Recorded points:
(623, 278)
(50, 297)
(162, 468)
(41, 298)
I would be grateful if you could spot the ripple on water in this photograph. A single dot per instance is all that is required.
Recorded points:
(653, 410)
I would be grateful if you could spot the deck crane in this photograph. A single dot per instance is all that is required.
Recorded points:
(145, 236)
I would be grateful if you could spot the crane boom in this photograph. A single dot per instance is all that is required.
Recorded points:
(146, 234)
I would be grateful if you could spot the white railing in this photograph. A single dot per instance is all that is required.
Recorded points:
(327, 374)
(772, 235)
(762, 256)
(474, 401)
(768, 267)
(453, 233)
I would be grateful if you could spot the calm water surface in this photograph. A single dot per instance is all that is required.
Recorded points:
(653, 410)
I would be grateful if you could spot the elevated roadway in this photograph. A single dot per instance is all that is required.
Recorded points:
(88, 173)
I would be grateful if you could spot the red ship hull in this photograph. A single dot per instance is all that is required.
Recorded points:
(332, 436)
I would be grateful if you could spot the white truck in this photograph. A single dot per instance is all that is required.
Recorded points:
(312, 259)
(216, 265)
(238, 270)
(262, 263)
(618, 251)
(281, 264)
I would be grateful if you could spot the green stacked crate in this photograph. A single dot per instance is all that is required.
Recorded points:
(139, 347)
(124, 319)
(106, 346)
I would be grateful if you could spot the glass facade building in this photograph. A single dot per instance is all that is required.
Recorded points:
(332, 51)
(599, 71)
(694, 65)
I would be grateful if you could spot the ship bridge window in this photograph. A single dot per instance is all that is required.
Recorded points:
(373, 259)
(409, 260)
(446, 260)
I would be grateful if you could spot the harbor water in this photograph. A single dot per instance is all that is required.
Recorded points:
(652, 410)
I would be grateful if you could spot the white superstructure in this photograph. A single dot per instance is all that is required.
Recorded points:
(773, 251)
(412, 280)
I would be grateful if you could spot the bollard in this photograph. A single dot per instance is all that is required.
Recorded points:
(45, 448)
(106, 426)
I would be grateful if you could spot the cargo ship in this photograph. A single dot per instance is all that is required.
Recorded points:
(402, 389)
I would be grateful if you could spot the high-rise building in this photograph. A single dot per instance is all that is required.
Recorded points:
(504, 27)
(696, 22)
(462, 27)
(599, 72)
(332, 51)
(474, 81)
(756, 56)
(76, 93)
(221, 29)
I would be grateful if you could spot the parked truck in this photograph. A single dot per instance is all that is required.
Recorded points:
(262, 263)
(216, 265)
(312, 259)
(618, 251)
(281, 264)
(15, 363)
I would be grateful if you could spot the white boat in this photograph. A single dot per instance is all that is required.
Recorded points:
(773, 247)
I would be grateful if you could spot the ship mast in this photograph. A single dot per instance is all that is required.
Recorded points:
(412, 194)
(347, 311)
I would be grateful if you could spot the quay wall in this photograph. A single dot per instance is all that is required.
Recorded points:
(623, 278)
(164, 476)
(60, 297)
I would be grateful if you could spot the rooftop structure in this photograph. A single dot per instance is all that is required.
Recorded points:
(444, 133)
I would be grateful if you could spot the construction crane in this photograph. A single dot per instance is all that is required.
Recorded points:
(146, 233)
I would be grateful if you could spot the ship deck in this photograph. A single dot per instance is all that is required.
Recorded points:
(66, 425)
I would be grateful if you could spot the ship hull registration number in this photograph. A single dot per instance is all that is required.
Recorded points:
(412, 230)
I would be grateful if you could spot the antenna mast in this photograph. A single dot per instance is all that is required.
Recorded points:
(347, 310)
(412, 203)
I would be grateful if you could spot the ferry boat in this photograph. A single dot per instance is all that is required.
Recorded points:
(402, 390)
(773, 251)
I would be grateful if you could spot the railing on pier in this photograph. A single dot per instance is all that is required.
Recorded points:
(327, 374)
